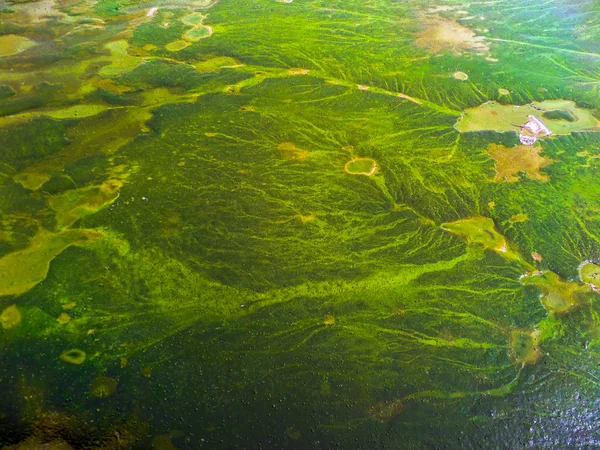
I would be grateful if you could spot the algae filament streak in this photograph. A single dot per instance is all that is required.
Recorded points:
(299, 224)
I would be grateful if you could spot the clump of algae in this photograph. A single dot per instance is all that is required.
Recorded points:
(10, 317)
(73, 356)
(103, 386)
(590, 273)
(481, 231)
(361, 166)
(22, 270)
(558, 297)
(289, 151)
(524, 347)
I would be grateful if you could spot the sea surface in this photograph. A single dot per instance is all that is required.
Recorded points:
(299, 224)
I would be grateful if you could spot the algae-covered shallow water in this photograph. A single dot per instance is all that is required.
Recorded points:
(299, 224)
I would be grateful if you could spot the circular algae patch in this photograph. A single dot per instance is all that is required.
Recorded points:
(460, 76)
(10, 317)
(590, 273)
(103, 386)
(198, 33)
(503, 91)
(361, 166)
(73, 356)
(176, 46)
(524, 347)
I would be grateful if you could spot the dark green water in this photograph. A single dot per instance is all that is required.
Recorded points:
(259, 224)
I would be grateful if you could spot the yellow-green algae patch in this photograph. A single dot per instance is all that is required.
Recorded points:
(22, 270)
(10, 317)
(522, 158)
(558, 297)
(289, 151)
(11, 44)
(121, 61)
(481, 231)
(90, 136)
(71, 112)
(103, 386)
(590, 273)
(361, 166)
(193, 19)
(198, 33)
(216, 64)
(71, 205)
(524, 347)
(495, 116)
(176, 46)
(73, 356)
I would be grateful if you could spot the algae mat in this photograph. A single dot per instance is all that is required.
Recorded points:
(298, 224)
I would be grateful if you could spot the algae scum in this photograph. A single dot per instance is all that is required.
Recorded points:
(299, 224)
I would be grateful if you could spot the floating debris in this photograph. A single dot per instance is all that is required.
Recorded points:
(532, 129)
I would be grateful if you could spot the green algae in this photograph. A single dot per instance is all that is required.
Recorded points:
(558, 297)
(237, 236)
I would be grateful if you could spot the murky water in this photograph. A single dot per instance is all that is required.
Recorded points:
(299, 224)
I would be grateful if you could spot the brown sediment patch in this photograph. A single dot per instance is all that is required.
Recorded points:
(22, 270)
(10, 317)
(522, 158)
(441, 35)
(329, 320)
(290, 152)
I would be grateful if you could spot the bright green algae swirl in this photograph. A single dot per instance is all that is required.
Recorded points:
(261, 220)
